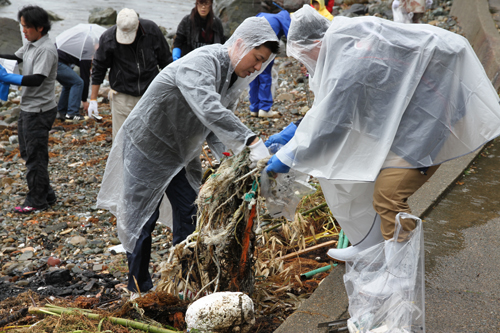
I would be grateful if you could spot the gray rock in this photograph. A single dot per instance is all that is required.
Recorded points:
(382, 8)
(26, 256)
(170, 34)
(4, 2)
(11, 39)
(289, 5)
(89, 285)
(356, 9)
(114, 241)
(284, 97)
(53, 16)
(77, 240)
(8, 249)
(438, 11)
(76, 270)
(98, 267)
(10, 267)
(14, 115)
(233, 12)
(104, 16)
(55, 227)
(163, 30)
(3, 125)
(13, 139)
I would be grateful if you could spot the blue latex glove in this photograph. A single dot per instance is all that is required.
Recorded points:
(275, 165)
(10, 78)
(176, 53)
(282, 137)
(4, 91)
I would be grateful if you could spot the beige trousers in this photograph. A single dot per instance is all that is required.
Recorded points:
(393, 187)
(121, 106)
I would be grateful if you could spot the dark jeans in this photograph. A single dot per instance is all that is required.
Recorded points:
(33, 132)
(71, 94)
(181, 196)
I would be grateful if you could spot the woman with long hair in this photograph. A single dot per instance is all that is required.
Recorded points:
(197, 29)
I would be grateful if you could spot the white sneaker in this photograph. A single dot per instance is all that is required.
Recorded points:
(269, 114)
(135, 295)
(254, 114)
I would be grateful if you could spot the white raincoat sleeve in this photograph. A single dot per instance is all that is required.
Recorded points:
(216, 146)
(197, 84)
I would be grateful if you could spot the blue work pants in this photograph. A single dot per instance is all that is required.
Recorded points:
(261, 97)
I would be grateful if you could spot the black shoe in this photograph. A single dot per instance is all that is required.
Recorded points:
(61, 116)
(52, 201)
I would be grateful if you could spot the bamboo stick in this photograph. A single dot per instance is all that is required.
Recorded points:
(314, 208)
(309, 249)
(119, 321)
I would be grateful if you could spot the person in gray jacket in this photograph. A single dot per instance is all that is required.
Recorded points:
(38, 105)
(133, 49)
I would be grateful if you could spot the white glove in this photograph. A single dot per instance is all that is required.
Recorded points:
(428, 3)
(258, 151)
(92, 108)
(92, 111)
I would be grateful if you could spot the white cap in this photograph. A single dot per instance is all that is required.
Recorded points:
(127, 24)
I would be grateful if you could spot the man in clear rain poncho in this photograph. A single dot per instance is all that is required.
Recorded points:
(392, 102)
(157, 150)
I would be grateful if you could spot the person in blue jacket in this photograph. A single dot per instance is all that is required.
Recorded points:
(261, 98)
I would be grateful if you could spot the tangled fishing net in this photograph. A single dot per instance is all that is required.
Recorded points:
(219, 255)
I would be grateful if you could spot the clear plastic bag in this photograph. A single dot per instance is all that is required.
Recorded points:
(284, 192)
(385, 284)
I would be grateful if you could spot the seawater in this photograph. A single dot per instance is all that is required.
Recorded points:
(167, 13)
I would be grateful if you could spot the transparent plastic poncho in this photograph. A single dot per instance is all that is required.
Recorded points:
(386, 95)
(189, 102)
(386, 284)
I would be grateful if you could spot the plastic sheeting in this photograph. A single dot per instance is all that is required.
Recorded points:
(386, 95)
(284, 192)
(386, 285)
(187, 103)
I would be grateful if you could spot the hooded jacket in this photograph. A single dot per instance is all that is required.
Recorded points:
(322, 9)
(131, 69)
